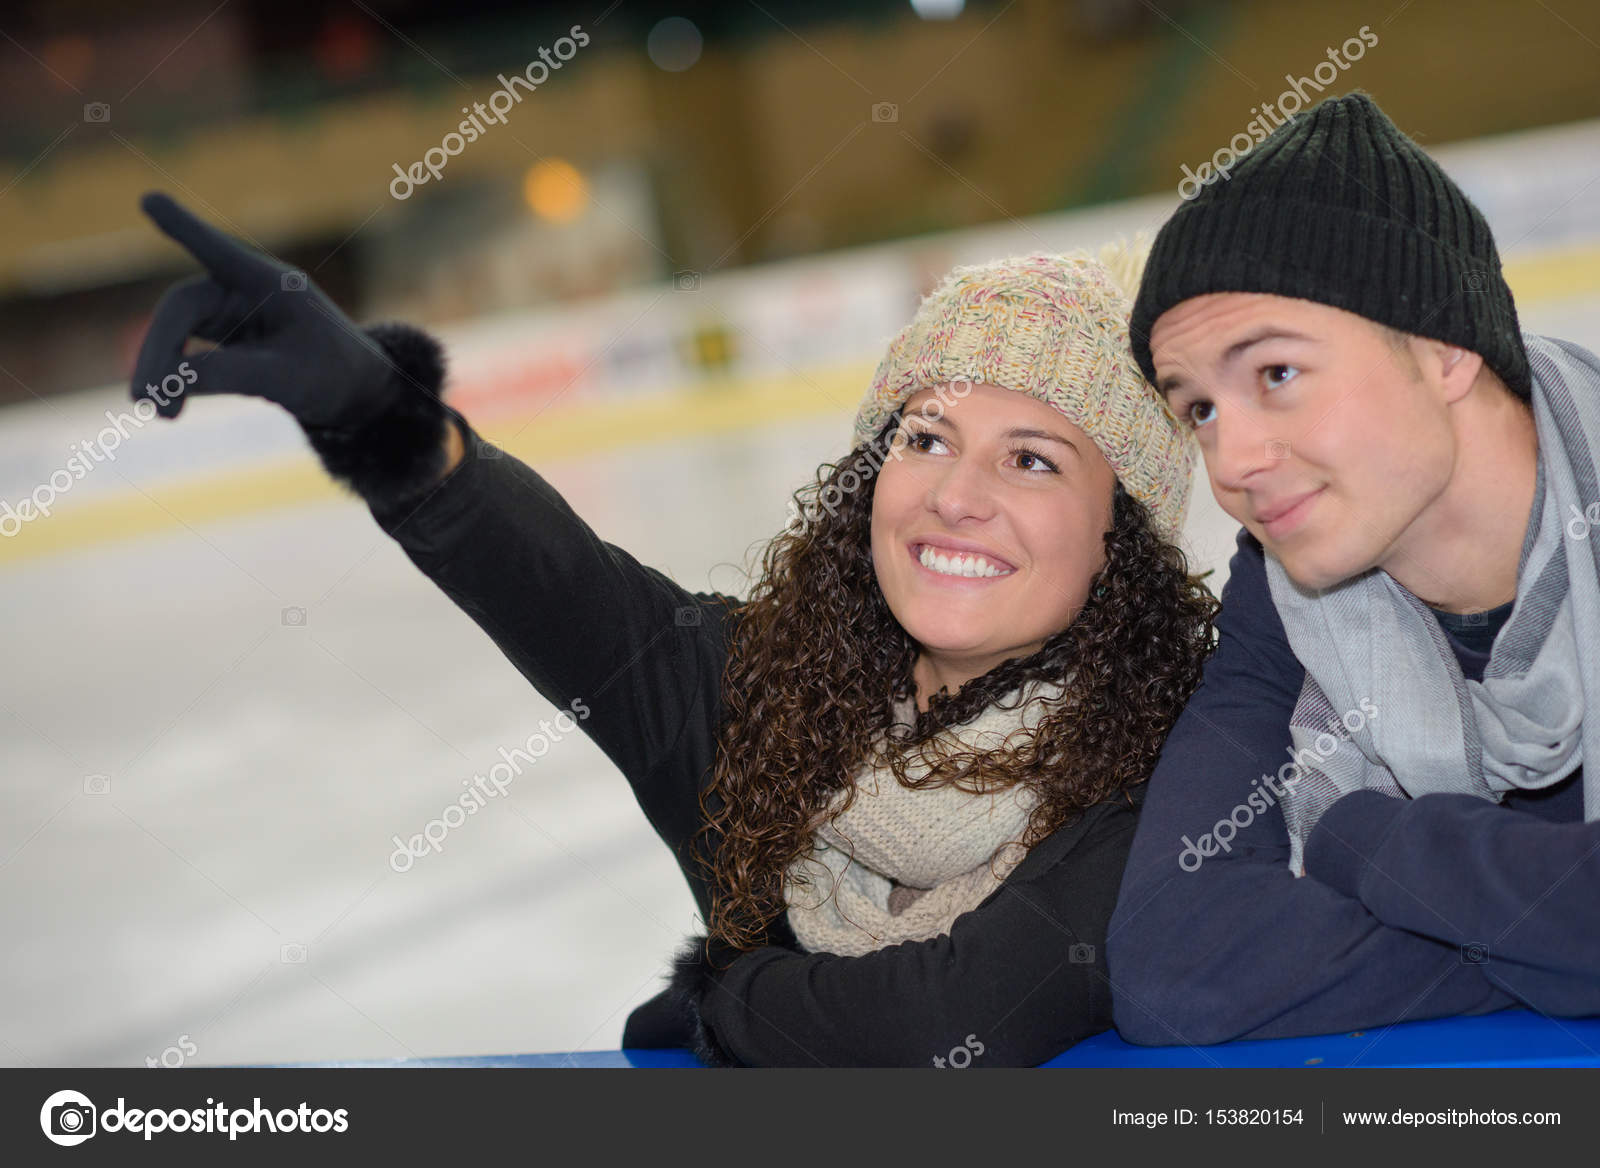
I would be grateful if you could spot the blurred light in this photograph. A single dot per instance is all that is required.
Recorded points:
(555, 190)
(711, 347)
(674, 44)
(938, 9)
(70, 58)
(344, 48)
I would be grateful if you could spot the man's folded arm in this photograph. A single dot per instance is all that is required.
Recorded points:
(1214, 938)
(1513, 891)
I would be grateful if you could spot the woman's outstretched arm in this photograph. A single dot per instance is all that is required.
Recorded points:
(629, 654)
(580, 618)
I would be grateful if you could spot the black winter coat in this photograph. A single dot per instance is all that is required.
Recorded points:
(1015, 982)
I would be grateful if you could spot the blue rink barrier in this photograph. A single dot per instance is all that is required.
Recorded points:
(1510, 1038)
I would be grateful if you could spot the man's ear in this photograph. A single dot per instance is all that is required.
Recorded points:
(1454, 368)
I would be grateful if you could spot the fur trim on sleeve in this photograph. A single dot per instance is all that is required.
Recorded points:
(693, 977)
(401, 450)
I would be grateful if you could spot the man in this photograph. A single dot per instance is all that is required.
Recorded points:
(1374, 808)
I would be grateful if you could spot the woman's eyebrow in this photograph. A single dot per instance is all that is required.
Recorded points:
(1021, 432)
(1047, 435)
(1014, 432)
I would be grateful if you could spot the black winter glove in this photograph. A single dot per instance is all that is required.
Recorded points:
(367, 400)
(696, 969)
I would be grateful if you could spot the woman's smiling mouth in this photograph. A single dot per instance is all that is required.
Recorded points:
(959, 563)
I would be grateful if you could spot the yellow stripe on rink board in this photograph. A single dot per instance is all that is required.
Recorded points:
(1556, 276)
(562, 432)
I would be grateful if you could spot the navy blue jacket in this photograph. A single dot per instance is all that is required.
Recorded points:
(1409, 908)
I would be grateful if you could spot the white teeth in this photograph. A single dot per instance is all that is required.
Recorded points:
(959, 565)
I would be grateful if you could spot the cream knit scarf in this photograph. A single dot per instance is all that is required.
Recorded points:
(947, 849)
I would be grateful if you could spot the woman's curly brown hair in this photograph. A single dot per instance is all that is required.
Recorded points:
(816, 660)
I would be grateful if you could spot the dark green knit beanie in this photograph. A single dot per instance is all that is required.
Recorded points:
(1339, 207)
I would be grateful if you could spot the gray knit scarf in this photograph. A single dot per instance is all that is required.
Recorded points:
(901, 863)
(1384, 705)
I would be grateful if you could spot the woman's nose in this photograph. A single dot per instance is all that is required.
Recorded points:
(961, 490)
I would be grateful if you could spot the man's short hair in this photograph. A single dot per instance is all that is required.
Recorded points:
(1399, 342)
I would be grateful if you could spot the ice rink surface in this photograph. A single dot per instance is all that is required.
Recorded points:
(201, 793)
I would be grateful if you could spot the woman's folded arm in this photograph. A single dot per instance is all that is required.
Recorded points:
(1015, 982)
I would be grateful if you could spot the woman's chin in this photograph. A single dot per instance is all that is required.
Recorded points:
(942, 641)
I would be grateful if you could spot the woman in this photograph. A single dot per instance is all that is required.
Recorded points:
(899, 778)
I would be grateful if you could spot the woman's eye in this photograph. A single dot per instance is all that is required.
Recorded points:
(923, 441)
(1200, 413)
(1271, 373)
(1033, 460)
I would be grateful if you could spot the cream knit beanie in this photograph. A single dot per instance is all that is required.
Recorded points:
(1054, 327)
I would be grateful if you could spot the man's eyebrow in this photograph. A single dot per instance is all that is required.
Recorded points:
(1270, 332)
(1172, 382)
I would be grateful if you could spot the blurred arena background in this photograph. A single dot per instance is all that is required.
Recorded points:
(665, 275)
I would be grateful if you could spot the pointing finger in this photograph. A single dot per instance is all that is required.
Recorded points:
(231, 262)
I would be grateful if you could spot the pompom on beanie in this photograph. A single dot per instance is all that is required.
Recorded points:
(1054, 327)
